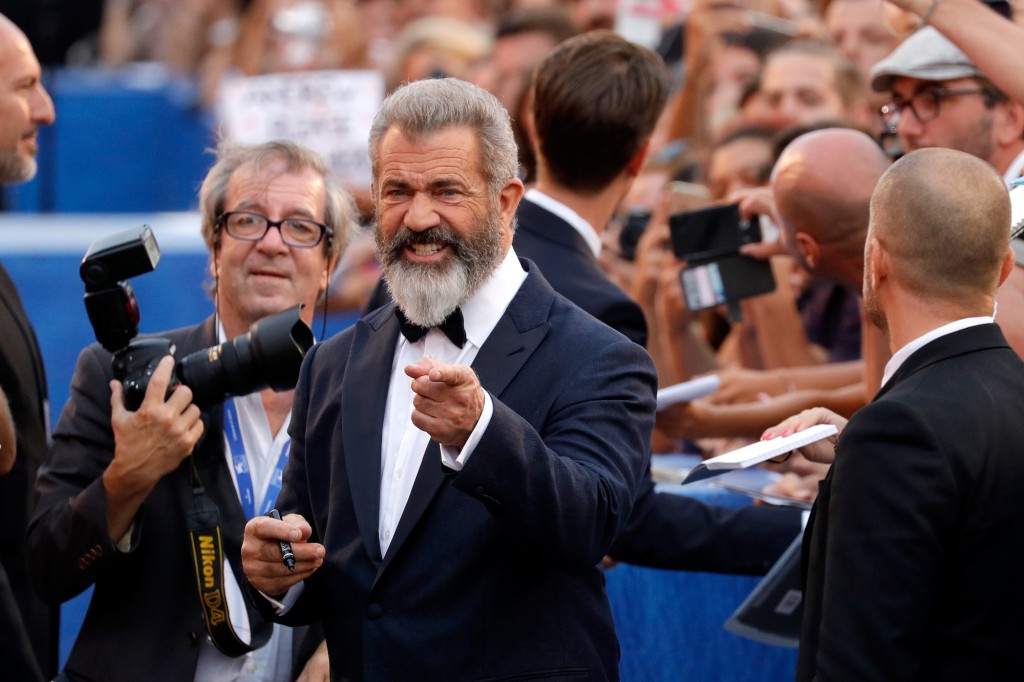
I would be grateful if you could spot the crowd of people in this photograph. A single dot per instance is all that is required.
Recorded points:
(455, 471)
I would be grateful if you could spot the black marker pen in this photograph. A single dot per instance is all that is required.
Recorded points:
(286, 547)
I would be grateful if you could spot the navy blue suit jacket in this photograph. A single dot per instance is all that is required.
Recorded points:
(493, 571)
(913, 552)
(664, 530)
(570, 266)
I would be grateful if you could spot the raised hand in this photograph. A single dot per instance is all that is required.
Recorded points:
(448, 402)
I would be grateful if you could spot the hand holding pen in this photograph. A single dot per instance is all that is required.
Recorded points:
(277, 554)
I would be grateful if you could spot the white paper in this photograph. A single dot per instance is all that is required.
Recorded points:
(758, 452)
(688, 390)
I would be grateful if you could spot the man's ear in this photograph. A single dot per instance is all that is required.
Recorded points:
(1009, 262)
(1010, 126)
(329, 266)
(880, 263)
(808, 249)
(508, 203)
(636, 164)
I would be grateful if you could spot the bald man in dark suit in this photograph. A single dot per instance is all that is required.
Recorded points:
(29, 643)
(913, 548)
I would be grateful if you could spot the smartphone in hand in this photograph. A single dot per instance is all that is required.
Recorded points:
(710, 232)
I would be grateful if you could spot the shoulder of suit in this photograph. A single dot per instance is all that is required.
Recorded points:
(190, 338)
(576, 321)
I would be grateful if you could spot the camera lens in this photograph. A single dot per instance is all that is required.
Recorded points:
(269, 355)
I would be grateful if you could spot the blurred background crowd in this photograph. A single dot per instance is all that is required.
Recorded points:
(748, 77)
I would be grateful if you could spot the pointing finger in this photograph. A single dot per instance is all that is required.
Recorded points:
(452, 375)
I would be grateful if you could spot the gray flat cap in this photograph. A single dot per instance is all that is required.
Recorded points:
(924, 54)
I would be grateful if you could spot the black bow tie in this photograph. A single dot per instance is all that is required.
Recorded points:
(453, 327)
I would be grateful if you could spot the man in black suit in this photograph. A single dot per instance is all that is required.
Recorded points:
(462, 460)
(596, 100)
(28, 647)
(117, 489)
(913, 547)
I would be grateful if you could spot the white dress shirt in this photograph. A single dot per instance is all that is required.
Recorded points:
(402, 444)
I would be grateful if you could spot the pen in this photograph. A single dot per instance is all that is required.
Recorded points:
(286, 547)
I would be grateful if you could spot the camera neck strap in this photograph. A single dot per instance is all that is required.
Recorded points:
(203, 521)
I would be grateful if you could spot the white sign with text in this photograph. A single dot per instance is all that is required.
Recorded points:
(327, 111)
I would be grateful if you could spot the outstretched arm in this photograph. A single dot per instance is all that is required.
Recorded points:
(990, 40)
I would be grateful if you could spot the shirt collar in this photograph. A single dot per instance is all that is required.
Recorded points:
(900, 356)
(570, 216)
(1015, 170)
(485, 307)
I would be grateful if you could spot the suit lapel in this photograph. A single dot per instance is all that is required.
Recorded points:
(510, 344)
(369, 365)
(517, 334)
(11, 300)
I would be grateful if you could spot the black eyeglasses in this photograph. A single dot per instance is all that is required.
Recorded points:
(300, 233)
(924, 105)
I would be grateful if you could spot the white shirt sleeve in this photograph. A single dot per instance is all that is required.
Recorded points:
(455, 459)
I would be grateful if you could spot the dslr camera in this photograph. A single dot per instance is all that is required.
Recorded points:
(269, 355)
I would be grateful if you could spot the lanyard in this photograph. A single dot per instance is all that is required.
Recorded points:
(240, 465)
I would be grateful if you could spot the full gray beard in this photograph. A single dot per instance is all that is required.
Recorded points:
(428, 293)
(14, 168)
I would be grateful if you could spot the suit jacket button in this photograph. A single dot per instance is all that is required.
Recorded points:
(479, 491)
(192, 638)
(374, 611)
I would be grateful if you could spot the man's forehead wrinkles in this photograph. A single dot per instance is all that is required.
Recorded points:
(433, 175)
(425, 153)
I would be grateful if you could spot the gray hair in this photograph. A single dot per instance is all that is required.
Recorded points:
(339, 209)
(432, 105)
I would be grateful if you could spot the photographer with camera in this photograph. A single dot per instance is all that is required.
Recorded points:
(120, 489)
